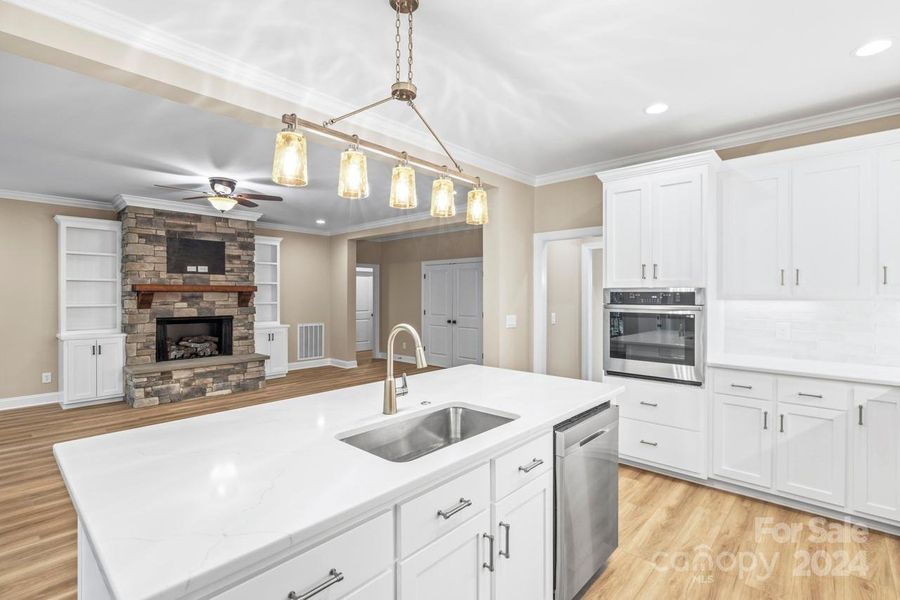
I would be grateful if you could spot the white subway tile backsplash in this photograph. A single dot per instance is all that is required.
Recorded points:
(865, 332)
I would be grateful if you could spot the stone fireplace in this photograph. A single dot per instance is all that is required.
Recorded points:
(195, 337)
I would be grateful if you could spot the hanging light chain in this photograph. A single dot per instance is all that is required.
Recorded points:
(410, 47)
(397, 41)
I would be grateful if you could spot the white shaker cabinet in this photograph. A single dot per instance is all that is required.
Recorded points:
(676, 231)
(743, 438)
(812, 453)
(92, 369)
(627, 231)
(876, 451)
(889, 221)
(273, 340)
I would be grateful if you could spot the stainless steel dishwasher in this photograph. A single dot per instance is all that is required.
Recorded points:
(586, 497)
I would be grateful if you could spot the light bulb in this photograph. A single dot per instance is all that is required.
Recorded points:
(442, 201)
(403, 187)
(289, 162)
(353, 182)
(477, 207)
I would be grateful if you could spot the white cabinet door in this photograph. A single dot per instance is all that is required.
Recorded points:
(743, 437)
(437, 320)
(676, 210)
(831, 225)
(278, 350)
(627, 232)
(81, 370)
(467, 316)
(524, 547)
(365, 310)
(876, 452)
(812, 453)
(755, 234)
(110, 364)
(262, 341)
(889, 221)
(454, 567)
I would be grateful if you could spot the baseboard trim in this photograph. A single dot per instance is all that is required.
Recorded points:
(322, 362)
(26, 401)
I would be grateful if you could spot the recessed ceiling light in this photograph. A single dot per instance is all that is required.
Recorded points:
(320, 221)
(873, 47)
(657, 108)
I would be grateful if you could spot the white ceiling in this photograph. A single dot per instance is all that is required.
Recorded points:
(105, 140)
(538, 87)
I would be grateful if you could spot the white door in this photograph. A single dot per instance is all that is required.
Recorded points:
(889, 221)
(262, 339)
(876, 452)
(365, 309)
(812, 452)
(676, 210)
(437, 317)
(278, 351)
(627, 231)
(830, 222)
(524, 543)
(467, 314)
(755, 234)
(743, 437)
(455, 567)
(81, 370)
(110, 363)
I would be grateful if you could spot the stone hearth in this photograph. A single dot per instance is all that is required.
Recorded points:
(144, 242)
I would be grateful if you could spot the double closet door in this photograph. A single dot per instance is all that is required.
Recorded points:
(452, 313)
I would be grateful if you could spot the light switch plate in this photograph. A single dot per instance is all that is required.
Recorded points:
(203, 269)
(47, 377)
(553, 318)
(191, 269)
(782, 331)
(511, 321)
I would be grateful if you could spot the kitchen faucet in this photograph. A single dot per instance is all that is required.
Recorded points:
(391, 391)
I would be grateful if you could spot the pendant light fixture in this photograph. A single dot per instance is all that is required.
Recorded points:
(353, 182)
(477, 206)
(289, 162)
(403, 186)
(289, 165)
(443, 203)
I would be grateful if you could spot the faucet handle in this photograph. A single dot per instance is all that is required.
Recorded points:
(402, 388)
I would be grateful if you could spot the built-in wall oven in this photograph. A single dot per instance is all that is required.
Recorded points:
(655, 334)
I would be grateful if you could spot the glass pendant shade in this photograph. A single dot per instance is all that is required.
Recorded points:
(289, 163)
(353, 182)
(442, 201)
(477, 207)
(222, 203)
(403, 187)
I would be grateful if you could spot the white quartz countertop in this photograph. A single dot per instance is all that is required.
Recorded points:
(170, 509)
(871, 374)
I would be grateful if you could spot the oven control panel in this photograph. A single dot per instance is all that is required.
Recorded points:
(690, 297)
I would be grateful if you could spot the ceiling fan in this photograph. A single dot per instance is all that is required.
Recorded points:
(222, 196)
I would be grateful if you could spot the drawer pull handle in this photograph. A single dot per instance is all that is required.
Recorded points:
(463, 503)
(505, 553)
(645, 442)
(334, 576)
(741, 387)
(534, 464)
(819, 396)
(653, 404)
(489, 565)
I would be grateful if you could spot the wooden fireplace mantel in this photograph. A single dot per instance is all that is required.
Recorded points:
(145, 291)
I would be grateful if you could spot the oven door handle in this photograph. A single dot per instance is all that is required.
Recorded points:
(649, 310)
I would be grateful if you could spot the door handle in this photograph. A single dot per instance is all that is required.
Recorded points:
(454, 321)
(93, 350)
(782, 424)
(782, 278)
(643, 271)
(463, 503)
(99, 349)
(489, 565)
(765, 419)
(534, 464)
(884, 277)
(655, 271)
(505, 553)
(796, 276)
(449, 321)
(860, 414)
(334, 576)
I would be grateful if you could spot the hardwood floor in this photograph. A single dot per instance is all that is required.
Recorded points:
(657, 514)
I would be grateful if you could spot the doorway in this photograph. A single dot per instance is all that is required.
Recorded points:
(367, 308)
(452, 314)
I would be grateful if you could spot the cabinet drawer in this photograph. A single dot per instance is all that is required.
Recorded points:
(457, 500)
(663, 404)
(745, 384)
(357, 555)
(814, 392)
(662, 445)
(526, 463)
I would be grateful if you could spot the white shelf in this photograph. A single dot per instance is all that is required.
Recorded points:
(266, 303)
(267, 272)
(92, 280)
(266, 283)
(271, 264)
(92, 305)
(79, 253)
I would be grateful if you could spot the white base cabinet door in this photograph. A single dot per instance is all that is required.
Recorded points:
(524, 543)
(743, 438)
(812, 454)
(274, 342)
(454, 567)
(92, 369)
(80, 358)
(110, 365)
(876, 452)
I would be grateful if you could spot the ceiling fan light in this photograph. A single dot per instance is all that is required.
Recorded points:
(403, 187)
(289, 162)
(443, 204)
(353, 182)
(222, 203)
(477, 207)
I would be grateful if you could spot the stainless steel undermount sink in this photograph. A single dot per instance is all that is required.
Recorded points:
(412, 438)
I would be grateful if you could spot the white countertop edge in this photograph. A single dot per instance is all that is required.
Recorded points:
(253, 563)
(855, 373)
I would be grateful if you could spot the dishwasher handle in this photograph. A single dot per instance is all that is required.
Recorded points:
(580, 433)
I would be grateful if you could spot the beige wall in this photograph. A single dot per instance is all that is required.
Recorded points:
(400, 263)
(28, 296)
(564, 299)
(568, 205)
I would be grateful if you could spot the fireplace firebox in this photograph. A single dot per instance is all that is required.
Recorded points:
(182, 338)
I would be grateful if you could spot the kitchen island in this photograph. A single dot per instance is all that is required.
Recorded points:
(260, 501)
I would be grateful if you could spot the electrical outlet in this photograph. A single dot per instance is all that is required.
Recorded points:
(403, 345)
(47, 377)
(511, 321)
(782, 331)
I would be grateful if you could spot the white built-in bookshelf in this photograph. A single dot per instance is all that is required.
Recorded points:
(268, 280)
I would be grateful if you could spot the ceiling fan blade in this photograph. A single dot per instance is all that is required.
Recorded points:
(181, 189)
(261, 197)
(244, 202)
(197, 197)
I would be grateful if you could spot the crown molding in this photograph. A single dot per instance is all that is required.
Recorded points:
(707, 158)
(291, 228)
(57, 200)
(123, 200)
(827, 120)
